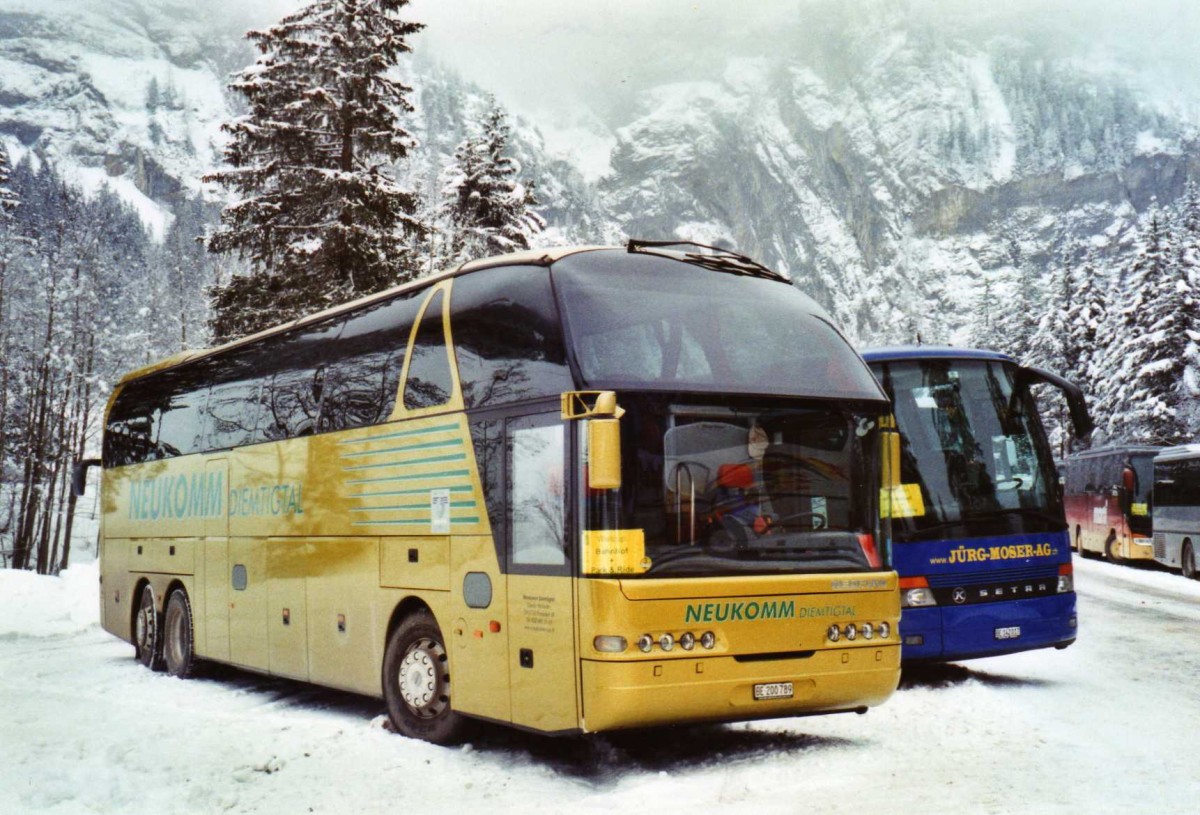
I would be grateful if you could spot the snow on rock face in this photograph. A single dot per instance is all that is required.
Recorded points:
(125, 92)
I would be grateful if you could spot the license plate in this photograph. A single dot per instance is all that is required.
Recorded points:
(1008, 633)
(773, 690)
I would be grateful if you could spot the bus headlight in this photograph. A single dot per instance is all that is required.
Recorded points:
(708, 640)
(645, 643)
(851, 632)
(609, 644)
(885, 630)
(868, 631)
(916, 598)
(666, 642)
(834, 633)
(1066, 578)
(687, 641)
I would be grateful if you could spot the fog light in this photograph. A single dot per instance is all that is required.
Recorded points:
(852, 632)
(885, 630)
(834, 633)
(645, 643)
(708, 639)
(687, 641)
(914, 639)
(868, 631)
(666, 642)
(1066, 583)
(608, 644)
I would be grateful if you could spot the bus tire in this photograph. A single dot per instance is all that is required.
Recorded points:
(147, 632)
(1110, 549)
(1187, 561)
(179, 653)
(416, 683)
(1079, 544)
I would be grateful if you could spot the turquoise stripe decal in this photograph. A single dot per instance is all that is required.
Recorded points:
(429, 445)
(430, 460)
(417, 477)
(402, 434)
(422, 505)
(426, 522)
(418, 491)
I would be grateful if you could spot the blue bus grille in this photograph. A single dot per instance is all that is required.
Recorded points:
(1010, 575)
(1021, 583)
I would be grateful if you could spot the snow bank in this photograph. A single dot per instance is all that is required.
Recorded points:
(34, 605)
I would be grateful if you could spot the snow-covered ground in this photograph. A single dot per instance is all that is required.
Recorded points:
(1107, 726)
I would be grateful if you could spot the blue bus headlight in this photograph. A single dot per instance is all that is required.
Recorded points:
(918, 597)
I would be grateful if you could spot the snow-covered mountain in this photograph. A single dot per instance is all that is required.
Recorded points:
(886, 158)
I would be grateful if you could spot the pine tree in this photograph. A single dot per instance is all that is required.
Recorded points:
(488, 210)
(1086, 315)
(321, 218)
(1142, 396)
(8, 198)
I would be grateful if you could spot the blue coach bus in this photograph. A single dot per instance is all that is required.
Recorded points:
(980, 538)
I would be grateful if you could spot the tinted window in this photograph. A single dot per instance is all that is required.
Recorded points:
(180, 426)
(429, 381)
(293, 398)
(130, 432)
(488, 438)
(660, 324)
(364, 373)
(507, 336)
(536, 501)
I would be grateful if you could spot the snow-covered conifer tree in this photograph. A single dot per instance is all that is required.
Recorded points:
(321, 218)
(8, 198)
(488, 210)
(1086, 314)
(1144, 363)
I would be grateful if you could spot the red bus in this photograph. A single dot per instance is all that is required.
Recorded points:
(1108, 495)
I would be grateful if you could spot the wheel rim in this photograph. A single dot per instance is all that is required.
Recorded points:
(424, 685)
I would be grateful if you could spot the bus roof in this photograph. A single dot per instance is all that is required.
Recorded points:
(1180, 453)
(534, 257)
(898, 352)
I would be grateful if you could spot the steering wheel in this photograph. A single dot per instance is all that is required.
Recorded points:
(1011, 483)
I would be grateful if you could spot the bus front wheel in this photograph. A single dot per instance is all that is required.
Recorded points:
(416, 682)
(1110, 549)
(1187, 561)
(147, 638)
(178, 642)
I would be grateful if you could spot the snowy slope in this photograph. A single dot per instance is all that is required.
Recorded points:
(1106, 726)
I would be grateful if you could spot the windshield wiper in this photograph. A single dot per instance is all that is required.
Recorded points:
(723, 260)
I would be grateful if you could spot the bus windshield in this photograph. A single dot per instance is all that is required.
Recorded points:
(735, 489)
(973, 447)
(653, 323)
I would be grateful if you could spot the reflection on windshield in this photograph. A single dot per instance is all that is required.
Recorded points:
(971, 446)
(726, 490)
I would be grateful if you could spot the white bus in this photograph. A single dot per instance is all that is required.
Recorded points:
(1176, 510)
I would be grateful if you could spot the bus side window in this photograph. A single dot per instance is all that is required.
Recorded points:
(292, 398)
(181, 426)
(429, 379)
(507, 337)
(364, 372)
(536, 483)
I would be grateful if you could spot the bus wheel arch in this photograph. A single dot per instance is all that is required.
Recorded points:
(1187, 560)
(178, 633)
(416, 677)
(146, 627)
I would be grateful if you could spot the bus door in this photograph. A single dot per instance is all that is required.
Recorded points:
(543, 665)
(212, 634)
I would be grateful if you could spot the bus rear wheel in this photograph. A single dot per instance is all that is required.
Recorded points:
(147, 638)
(179, 652)
(1187, 561)
(1110, 549)
(416, 683)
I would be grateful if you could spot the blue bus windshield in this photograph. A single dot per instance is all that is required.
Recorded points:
(972, 444)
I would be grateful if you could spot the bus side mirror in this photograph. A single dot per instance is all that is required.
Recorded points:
(79, 475)
(1081, 420)
(1129, 480)
(604, 454)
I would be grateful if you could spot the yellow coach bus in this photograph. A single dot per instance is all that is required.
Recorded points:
(569, 491)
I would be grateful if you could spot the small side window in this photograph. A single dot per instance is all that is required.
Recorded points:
(537, 505)
(429, 382)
